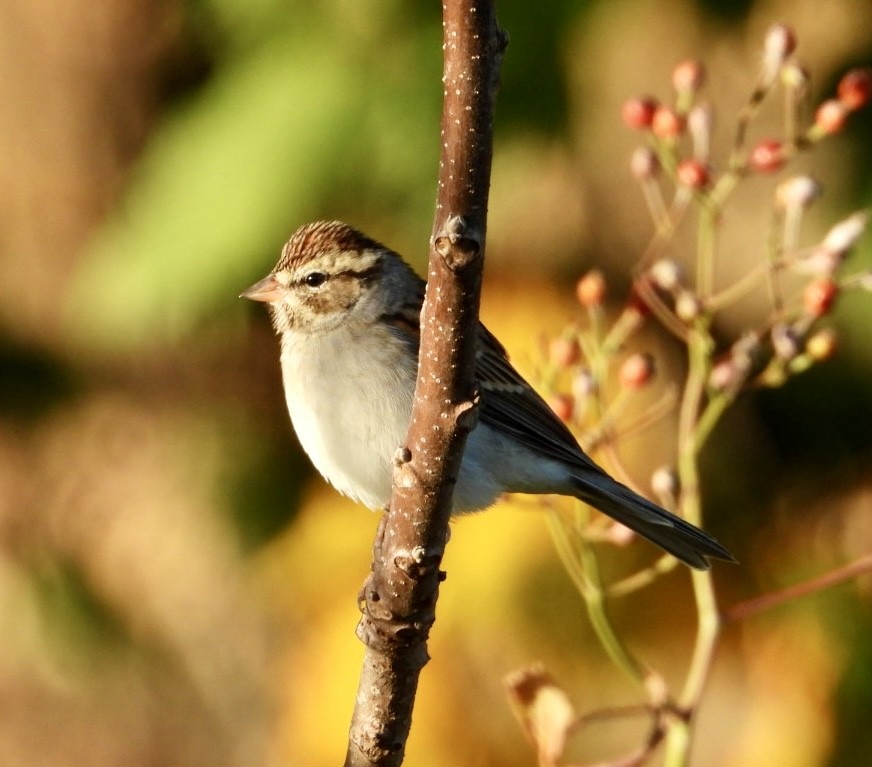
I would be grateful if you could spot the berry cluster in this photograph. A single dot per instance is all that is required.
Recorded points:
(803, 281)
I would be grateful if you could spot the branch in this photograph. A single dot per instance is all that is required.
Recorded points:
(752, 607)
(398, 600)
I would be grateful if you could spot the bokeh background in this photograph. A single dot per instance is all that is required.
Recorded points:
(176, 586)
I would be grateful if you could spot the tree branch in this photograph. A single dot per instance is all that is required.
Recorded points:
(398, 600)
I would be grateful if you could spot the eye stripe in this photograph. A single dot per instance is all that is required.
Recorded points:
(364, 275)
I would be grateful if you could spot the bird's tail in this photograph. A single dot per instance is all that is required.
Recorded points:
(668, 531)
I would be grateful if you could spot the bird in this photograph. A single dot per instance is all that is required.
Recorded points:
(347, 312)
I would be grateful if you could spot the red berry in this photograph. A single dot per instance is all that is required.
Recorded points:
(667, 123)
(855, 88)
(692, 173)
(767, 156)
(819, 296)
(830, 116)
(638, 112)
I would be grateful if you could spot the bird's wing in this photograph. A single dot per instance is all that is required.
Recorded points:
(510, 405)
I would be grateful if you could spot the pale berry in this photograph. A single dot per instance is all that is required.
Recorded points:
(636, 371)
(689, 75)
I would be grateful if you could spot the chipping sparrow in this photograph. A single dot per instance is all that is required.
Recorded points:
(347, 310)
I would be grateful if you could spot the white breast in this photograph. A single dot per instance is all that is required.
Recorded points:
(350, 398)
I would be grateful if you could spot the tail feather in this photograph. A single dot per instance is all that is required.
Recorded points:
(668, 531)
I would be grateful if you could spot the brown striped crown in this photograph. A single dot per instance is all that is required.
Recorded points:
(321, 238)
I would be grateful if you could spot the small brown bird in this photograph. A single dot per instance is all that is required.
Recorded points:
(347, 310)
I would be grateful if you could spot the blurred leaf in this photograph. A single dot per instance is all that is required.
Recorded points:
(224, 180)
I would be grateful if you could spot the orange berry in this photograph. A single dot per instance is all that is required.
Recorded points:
(667, 123)
(689, 75)
(830, 116)
(819, 296)
(591, 289)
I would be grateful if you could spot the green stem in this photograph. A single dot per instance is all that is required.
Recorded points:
(705, 250)
(678, 739)
(582, 566)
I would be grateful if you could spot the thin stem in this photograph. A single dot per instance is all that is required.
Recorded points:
(581, 564)
(656, 204)
(749, 111)
(663, 313)
(753, 607)
(710, 417)
(739, 289)
(566, 551)
(706, 247)
(708, 625)
(643, 578)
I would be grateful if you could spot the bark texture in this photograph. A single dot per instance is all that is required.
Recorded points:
(398, 600)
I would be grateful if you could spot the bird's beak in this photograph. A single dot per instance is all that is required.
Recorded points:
(267, 290)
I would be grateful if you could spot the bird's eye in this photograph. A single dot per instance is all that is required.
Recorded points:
(315, 279)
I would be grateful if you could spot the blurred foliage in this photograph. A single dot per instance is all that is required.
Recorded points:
(153, 503)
